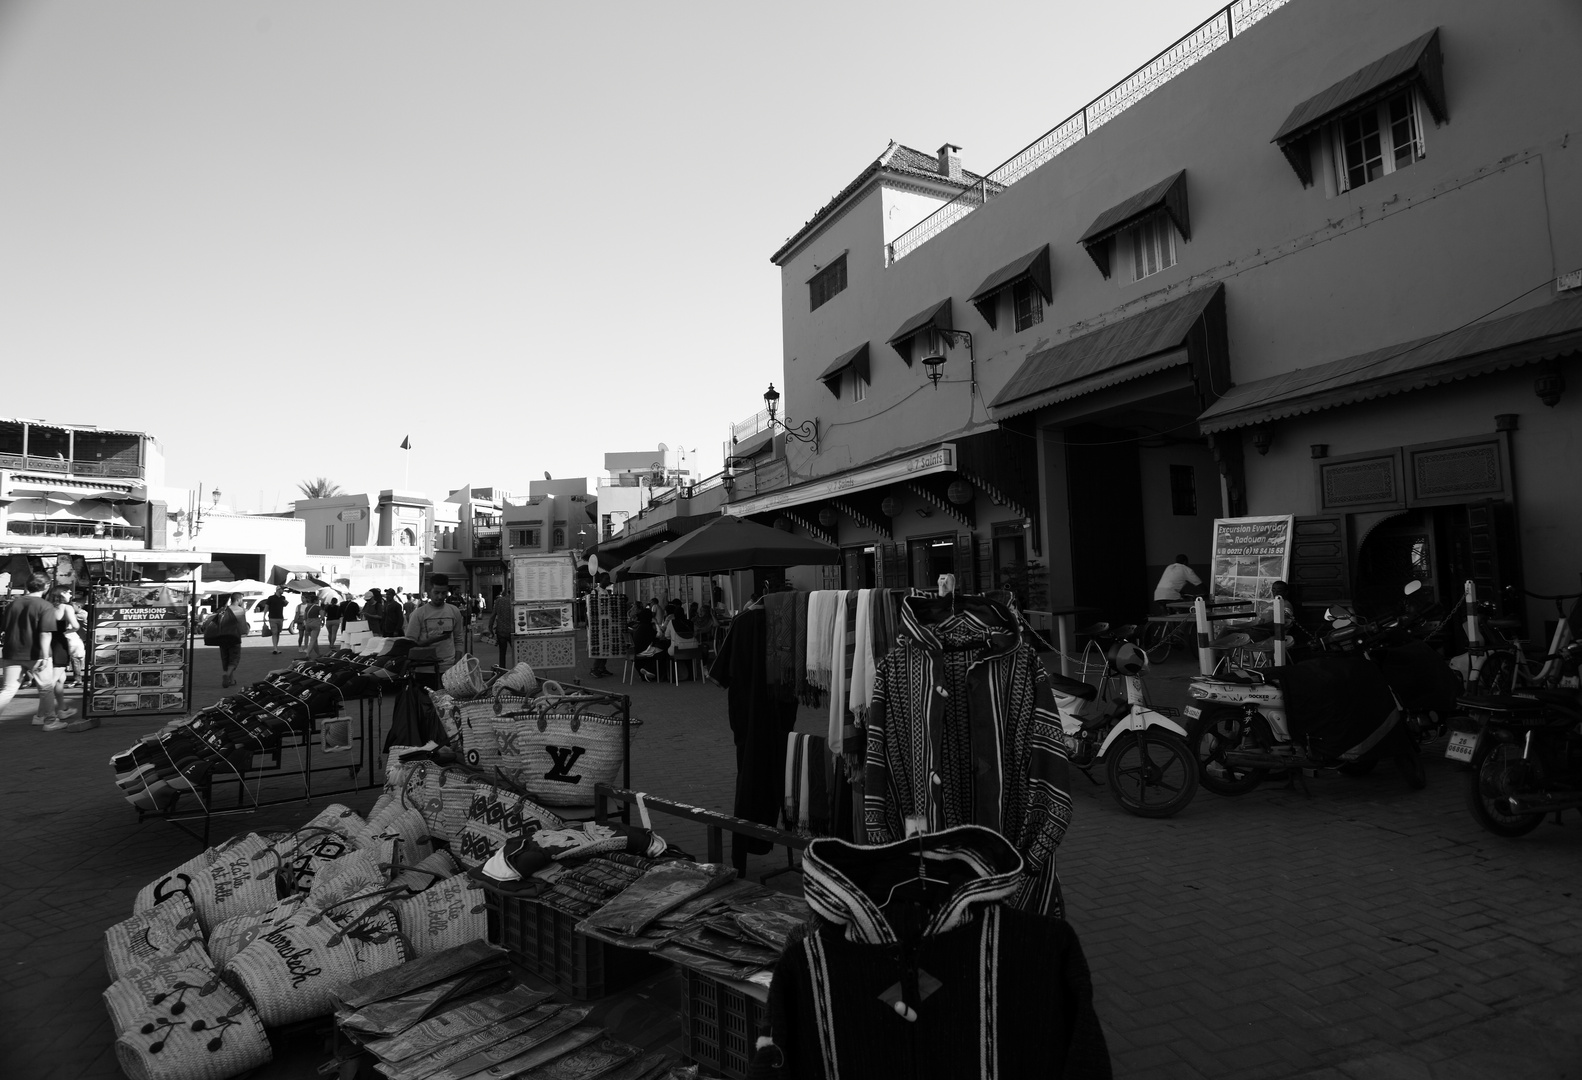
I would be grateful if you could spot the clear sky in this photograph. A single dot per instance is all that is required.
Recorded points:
(282, 236)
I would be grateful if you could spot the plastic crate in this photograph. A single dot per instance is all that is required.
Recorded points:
(544, 942)
(721, 1024)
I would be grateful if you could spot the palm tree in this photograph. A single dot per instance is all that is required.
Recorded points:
(320, 487)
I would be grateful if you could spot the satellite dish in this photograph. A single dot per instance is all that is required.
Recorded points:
(663, 448)
(547, 476)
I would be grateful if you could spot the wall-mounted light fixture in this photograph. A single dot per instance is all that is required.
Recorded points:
(924, 512)
(1549, 386)
(1262, 439)
(934, 362)
(1319, 450)
(806, 431)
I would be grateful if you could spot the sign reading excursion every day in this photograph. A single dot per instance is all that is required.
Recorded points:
(140, 661)
(1250, 555)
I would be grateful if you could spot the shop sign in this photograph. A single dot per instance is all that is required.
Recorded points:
(1250, 555)
(350, 516)
(140, 660)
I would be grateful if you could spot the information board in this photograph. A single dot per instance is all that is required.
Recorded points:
(543, 577)
(140, 660)
(543, 617)
(1250, 555)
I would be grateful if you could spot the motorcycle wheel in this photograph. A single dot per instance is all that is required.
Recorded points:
(1214, 772)
(1154, 776)
(1492, 773)
(1410, 766)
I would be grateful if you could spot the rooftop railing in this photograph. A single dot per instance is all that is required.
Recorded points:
(1218, 29)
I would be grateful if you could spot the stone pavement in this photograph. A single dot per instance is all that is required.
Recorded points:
(1359, 931)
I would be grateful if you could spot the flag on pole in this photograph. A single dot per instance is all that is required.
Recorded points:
(406, 442)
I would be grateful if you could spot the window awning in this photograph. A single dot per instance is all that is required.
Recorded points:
(1417, 63)
(1034, 267)
(753, 445)
(1169, 195)
(931, 317)
(932, 459)
(619, 548)
(1525, 338)
(856, 359)
(1142, 344)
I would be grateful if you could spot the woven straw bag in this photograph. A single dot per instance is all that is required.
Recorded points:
(464, 678)
(519, 680)
(236, 886)
(193, 1030)
(475, 728)
(455, 797)
(127, 999)
(164, 937)
(291, 972)
(443, 916)
(180, 878)
(559, 747)
(495, 816)
(407, 827)
(437, 867)
(363, 871)
(234, 935)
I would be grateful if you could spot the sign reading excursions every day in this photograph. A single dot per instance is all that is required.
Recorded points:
(1250, 555)
(140, 661)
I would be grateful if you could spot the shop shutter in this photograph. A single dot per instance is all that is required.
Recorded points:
(889, 566)
(1320, 570)
(921, 578)
(1494, 553)
(966, 563)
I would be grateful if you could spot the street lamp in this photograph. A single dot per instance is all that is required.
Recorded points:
(934, 362)
(806, 431)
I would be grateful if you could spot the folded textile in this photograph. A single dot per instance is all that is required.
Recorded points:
(475, 1040)
(541, 1052)
(456, 1023)
(706, 939)
(712, 966)
(839, 639)
(666, 886)
(505, 1057)
(398, 1014)
(419, 973)
(807, 695)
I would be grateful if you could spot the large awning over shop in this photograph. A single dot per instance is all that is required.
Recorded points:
(856, 360)
(1416, 63)
(618, 548)
(933, 317)
(1168, 195)
(1034, 267)
(1525, 338)
(934, 459)
(1185, 331)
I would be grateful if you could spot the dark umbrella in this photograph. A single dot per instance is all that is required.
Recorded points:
(645, 565)
(734, 543)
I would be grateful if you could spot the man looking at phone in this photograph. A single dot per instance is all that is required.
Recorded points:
(437, 623)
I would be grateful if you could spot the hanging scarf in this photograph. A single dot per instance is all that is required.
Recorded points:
(862, 668)
(837, 675)
(780, 643)
(806, 694)
(820, 637)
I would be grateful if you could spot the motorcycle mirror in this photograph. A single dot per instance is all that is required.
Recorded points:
(1329, 615)
(1413, 587)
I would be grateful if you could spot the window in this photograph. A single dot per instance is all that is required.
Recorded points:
(1028, 304)
(329, 536)
(1152, 244)
(826, 283)
(1377, 140)
(557, 539)
(1183, 491)
(859, 386)
(606, 527)
(526, 538)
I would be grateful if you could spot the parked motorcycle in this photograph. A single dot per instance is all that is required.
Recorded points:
(1526, 755)
(1335, 711)
(1147, 758)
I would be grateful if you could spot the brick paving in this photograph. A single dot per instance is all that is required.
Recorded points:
(1360, 930)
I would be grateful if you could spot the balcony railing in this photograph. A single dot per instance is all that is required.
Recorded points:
(1218, 29)
(486, 548)
(76, 468)
(91, 530)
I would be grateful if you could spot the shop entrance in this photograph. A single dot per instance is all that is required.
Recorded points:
(932, 556)
(1441, 546)
(857, 567)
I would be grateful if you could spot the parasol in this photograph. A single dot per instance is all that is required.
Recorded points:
(734, 543)
(647, 564)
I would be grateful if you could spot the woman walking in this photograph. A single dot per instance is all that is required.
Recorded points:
(312, 615)
(332, 618)
(229, 628)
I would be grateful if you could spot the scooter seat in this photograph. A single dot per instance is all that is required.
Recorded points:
(1231, 641)
(1074, 687)
(1506, 625)
(1562, 696)
(1503, 704)
(1095, 630)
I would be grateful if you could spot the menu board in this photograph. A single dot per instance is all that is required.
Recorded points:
(1250, 555)
(543, 577)
(543, 617)
(139, 659)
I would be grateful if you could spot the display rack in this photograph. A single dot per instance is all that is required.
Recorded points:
(608, 638)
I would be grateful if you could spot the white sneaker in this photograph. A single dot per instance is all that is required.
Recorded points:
(41, 720)
(55, 723)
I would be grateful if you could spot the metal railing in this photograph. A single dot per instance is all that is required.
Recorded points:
(64, 465)
(1218, 29)
(758, 421)
(89, 529)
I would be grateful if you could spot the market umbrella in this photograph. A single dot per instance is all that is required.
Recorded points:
(734, 543)
(645, 565)
(308, 584)
(111, 497)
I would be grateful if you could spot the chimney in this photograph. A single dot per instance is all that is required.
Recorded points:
(950, 161)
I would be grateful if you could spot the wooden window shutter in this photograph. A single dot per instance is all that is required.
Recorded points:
(1320, 568)
(966, 563)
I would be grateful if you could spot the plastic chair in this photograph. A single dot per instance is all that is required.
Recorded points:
(694, 657)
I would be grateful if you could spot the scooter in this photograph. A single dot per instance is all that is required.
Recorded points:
(1526, 756)
(1347, 717)
(1147, 757)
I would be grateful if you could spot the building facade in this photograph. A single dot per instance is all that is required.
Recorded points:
(630, 483)
(1317, 258)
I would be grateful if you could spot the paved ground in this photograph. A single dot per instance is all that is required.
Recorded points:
(1361, 931)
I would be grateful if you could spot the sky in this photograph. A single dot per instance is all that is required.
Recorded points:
(282, 237)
